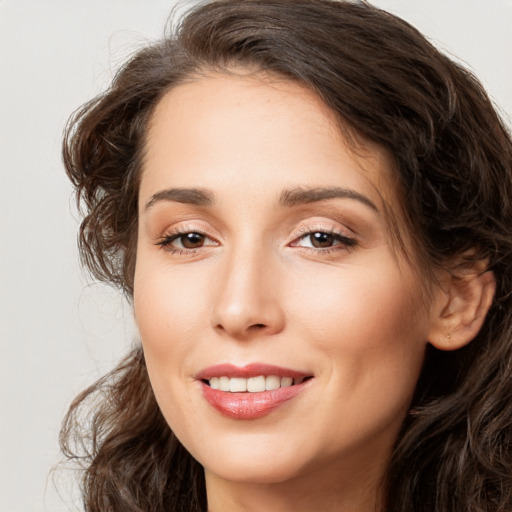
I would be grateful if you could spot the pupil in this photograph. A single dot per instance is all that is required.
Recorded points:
(322, 240)
(192, 240)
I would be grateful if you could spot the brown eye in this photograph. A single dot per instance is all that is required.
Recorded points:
(188, 240)
(191, 240)
(322, 240)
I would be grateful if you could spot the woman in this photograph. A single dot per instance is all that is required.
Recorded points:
(310, 208)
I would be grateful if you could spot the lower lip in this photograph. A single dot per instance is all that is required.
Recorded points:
(250, 406)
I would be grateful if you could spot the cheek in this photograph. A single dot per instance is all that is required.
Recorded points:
(350, 303)
(160, 311)
(369, 323)
(166, 304)
(167, 312)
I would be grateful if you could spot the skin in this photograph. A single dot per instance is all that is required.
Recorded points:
(255, 289)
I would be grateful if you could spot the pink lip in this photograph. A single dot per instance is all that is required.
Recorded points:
(250, 370)
(249, 406)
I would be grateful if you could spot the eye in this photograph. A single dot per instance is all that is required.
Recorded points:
(189, 240)
(185, 241)
(323, 240)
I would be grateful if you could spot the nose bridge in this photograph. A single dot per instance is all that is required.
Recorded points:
(245, 302)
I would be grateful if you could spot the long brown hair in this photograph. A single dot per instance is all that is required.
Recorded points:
(453, 161)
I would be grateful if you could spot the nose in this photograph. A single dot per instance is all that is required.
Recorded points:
(246, 296)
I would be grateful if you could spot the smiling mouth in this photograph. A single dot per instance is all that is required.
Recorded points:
(256, 384)
(252, 396)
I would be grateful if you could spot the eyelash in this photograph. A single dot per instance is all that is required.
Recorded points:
(345, 242)
(165, 241)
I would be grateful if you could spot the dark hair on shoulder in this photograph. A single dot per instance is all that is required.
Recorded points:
(452, 157)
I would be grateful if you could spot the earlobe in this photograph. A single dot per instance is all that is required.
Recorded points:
(462, 308)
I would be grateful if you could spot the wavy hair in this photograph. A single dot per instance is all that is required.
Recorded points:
(452, 157)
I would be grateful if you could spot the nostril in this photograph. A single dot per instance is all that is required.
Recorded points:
(258, 326)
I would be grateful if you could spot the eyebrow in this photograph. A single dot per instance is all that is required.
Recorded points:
(298, 196)
(195, 196)
(288, 198)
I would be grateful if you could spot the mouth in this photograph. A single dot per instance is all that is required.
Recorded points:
(252, 391)
(256, 384)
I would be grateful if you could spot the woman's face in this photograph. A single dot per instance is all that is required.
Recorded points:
(264, 259)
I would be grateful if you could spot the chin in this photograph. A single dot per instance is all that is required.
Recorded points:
(252, 458)
(269, 471)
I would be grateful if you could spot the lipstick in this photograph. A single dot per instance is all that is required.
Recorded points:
(252, 391)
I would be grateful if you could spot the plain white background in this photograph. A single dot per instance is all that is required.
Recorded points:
(58, 330)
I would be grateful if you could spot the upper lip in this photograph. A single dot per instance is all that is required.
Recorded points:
(248, 371)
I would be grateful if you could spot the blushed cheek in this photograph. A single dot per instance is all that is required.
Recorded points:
(153, 313)
(360, 315)
(376, 348)
(168, 311)
(157, 316)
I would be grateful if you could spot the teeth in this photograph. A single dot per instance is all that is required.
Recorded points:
(224, 383)
(253, 384)
(256, 384)
(237, 385)
(272, 382)
(286, 381)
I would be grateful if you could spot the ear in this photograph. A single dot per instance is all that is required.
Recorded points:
(461, 306)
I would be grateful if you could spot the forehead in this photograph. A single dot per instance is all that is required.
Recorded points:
(256, 129)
